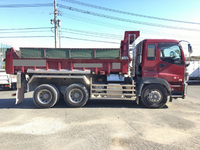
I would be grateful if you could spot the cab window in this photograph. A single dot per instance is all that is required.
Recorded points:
(151, 52)
(170, 53)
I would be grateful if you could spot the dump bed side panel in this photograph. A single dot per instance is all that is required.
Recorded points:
(74, 53)
(70, 61)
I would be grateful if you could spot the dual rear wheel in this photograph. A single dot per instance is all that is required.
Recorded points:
(47, 95)
(76, 95)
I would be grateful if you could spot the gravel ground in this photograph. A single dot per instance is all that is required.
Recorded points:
(100, 125)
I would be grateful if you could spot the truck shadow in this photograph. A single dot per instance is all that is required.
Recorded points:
(29, 104)
(115, 104)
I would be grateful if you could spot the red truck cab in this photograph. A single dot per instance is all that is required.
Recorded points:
(161, 62)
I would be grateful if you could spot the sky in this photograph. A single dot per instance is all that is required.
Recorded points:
(88, 31)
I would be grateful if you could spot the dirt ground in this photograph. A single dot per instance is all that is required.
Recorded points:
(100, 125)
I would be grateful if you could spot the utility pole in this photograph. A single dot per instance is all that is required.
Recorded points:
(55, 22)
(59, 24)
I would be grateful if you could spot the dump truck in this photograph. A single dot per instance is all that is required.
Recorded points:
(151, 73)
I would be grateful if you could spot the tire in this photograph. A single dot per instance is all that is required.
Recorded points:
(45, 96)
(56, 91)
(154, 96)
(76, 95)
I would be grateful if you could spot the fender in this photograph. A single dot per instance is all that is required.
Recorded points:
(151, 80)
(35, 77)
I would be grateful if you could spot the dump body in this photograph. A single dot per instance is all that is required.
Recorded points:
(74, 63)
(71, 60)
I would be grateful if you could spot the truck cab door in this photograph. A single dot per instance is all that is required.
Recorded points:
(171, 66)
(150, 61)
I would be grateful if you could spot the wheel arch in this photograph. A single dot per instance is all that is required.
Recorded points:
(145, 81)
(55, 80)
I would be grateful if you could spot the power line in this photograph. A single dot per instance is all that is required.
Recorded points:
(61, 37)
(24, 36)
(75, 31)
(25, 28)
(90, 40)
(120, 27)
(125, 20)
(38, 29)
(85, 34)
(93, 33)
(26, 5)
(77, 18)
(127, 13)
(14, 32)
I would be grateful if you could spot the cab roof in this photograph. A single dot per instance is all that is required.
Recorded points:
(161, 41)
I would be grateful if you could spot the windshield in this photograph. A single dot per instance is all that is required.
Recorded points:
(170, 53)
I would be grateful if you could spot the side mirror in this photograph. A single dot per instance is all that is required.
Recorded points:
(190, 48)
(187, 64)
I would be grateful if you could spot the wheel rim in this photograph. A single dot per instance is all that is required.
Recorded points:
(44, 96)
(76, 95)
(154, 96)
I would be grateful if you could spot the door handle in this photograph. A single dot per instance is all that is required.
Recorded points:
(161, 65)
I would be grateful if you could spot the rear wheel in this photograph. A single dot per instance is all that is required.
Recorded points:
(76, 95)
(154, 96)
(46, 96)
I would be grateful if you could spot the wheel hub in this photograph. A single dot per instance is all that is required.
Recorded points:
(44, 96)
(76, 95)
(154, 96)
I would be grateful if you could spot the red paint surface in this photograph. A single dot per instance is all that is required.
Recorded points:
(173, 73)
(125, 43)
(10, 55)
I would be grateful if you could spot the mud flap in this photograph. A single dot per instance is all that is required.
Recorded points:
(20, 94)
(20, 89)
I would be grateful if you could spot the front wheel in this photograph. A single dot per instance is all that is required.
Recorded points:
(154, 96)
